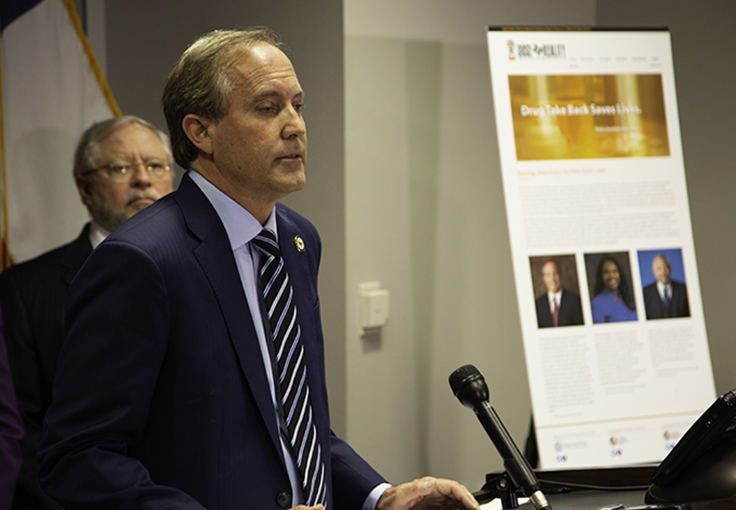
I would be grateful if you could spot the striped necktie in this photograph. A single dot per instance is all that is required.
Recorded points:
(666, 312)
(286, 334)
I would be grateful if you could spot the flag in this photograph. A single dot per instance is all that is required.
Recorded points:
(52, 90)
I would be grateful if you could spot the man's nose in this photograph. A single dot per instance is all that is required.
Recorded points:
(294, 125)
(141, 177)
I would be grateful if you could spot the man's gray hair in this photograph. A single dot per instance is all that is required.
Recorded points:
(88, 147)
(198, 83)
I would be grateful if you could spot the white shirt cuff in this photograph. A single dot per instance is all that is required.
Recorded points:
(374, 496)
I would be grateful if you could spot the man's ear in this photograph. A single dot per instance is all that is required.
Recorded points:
(198, 130)
(84, 187)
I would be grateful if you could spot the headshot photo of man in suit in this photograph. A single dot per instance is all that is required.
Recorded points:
(558, 306)
(665, 298)
(121, 165)
(192, 375)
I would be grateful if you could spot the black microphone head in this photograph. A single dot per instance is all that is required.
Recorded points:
(469, 386)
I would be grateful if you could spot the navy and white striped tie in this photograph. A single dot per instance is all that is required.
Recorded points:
(286, 334)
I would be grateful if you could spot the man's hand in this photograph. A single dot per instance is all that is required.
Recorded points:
(302, 507)
(427, 493)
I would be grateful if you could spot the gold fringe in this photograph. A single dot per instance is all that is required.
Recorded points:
(69, 4)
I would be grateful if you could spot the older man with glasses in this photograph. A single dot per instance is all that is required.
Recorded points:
(121, 166)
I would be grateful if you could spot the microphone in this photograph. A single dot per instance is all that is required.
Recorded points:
(470, 388)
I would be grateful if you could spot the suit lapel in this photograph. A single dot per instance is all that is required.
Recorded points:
(563, 305)
(297, 265)
(215, 257)
(301, 254)
(74, 256)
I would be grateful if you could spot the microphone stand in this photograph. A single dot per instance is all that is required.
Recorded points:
(506, 491)
(470, 388)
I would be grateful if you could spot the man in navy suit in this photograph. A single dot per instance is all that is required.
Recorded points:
(557, 306)
(121, 165)
(665, 297)
(165, 395)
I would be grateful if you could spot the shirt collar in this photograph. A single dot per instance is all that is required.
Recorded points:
(240, 225)
(97, 234)
(662, 286)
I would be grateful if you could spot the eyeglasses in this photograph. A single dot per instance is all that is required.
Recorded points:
(121, 171)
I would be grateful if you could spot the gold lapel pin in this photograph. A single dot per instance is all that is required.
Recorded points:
(299, 243)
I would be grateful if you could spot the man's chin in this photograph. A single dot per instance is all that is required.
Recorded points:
(137, 206)
(291, 177)
(298, 182)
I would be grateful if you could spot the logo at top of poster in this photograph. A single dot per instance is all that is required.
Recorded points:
(535, 51)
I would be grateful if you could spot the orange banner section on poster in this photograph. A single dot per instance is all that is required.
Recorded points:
(588, 116)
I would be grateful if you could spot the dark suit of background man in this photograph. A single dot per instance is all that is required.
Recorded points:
(665, 297)
(121, 165)
(11, 430)
(166, 395)
(569, 311)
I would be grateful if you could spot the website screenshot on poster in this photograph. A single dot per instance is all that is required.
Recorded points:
(601, 238)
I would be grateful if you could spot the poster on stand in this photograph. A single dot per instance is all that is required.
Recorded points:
(602, 245)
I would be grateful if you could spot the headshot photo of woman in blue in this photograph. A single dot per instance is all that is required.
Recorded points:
(613, 299)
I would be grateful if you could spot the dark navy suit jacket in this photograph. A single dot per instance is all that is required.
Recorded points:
(11, 431)
(570, 313)
(161, 398)
(34, 300)
(679, 306)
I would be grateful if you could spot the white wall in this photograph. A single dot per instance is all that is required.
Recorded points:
(425, 216)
